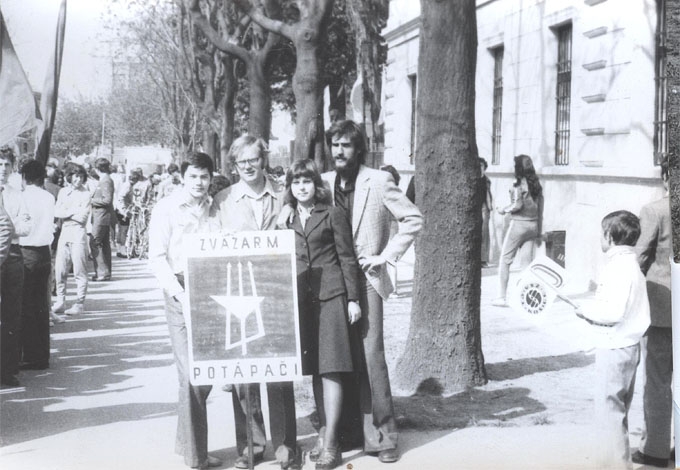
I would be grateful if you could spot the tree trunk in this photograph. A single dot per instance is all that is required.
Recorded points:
(308, 96)
(443, 351)
(227, 113)
(673, 117)
(259, 124)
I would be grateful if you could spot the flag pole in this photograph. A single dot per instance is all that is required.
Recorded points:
(50, 93)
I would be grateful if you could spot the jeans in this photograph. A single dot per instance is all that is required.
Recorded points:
(615, 383)
(75, 251)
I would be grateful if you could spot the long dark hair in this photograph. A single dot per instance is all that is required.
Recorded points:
(524, 168)
(306, 169)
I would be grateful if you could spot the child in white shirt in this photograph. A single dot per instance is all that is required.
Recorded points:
(621, 311)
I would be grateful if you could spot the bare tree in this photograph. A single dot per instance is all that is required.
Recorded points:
(235, 35)
(443, 349)
(305, 34)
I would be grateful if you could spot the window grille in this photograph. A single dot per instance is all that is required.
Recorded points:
(563, 95)
(497, 105)
(660, 82)
(414, 89)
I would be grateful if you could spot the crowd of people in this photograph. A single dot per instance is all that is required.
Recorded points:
(64, 219)
(346, 238)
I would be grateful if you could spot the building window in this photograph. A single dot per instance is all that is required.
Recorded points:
(660, 81)
(563, 95)
(497, 104)
(414, 89)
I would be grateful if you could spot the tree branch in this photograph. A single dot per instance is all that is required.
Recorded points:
(275, 26)
(214, 37)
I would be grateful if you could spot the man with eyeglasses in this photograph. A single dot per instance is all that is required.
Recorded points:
(254, 204)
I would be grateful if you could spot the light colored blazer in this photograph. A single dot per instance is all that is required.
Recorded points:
(654, 253)
(376, 200)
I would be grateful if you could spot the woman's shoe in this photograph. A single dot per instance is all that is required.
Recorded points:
(318, 448)
(329, 459)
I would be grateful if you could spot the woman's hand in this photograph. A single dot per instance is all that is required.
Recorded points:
(353, 311)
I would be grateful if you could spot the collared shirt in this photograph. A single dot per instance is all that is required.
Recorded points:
(260, 212)
(16, 207)
(40, 205)
(73, 206)
(304, 214)
(344, 196)
(173, 217)
(621, 300)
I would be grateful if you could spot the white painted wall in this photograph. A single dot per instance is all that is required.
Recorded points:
(606, 172)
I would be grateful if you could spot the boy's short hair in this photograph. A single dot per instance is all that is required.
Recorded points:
(199, 160)
(172, 168)
(33, 172)
(623, 227)
(103, 165)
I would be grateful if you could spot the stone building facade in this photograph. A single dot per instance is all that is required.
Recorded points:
(576, 84)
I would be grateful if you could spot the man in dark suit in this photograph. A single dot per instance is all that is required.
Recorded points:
(102, 211)
(654, 248)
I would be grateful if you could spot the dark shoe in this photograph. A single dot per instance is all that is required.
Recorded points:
(34, 366)
(388, 455)
(10, 381)
(288, 461)
(242, 460)
(316, 451)
(643, 459)
(328, 459)
(121, 255)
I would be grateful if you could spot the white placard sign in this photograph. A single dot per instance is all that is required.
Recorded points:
(243, 315)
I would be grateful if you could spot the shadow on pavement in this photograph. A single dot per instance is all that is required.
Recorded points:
(516, 368)
(101, 365)
(471, 408)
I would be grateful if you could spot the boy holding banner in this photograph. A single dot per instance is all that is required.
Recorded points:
(621, 306)
(183, 212)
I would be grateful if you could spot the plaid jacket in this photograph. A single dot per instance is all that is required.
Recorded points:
(377, 199)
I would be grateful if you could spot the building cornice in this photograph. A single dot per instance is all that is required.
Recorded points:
(403, 29)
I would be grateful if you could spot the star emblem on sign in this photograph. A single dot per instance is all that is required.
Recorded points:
(241, 307)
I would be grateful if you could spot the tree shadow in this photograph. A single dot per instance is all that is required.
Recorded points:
(100, 353)
(470, 408)
(516, 368)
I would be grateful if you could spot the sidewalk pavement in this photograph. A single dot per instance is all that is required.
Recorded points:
(108, 399)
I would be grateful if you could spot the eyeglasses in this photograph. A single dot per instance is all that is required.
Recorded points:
(243, 164)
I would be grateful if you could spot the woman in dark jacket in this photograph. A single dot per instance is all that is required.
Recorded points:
(327, 296)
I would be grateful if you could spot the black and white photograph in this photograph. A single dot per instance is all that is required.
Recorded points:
(339, 234)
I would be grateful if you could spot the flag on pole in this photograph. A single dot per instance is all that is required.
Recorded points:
(356, 99)
(17, 104)
(50, 93)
